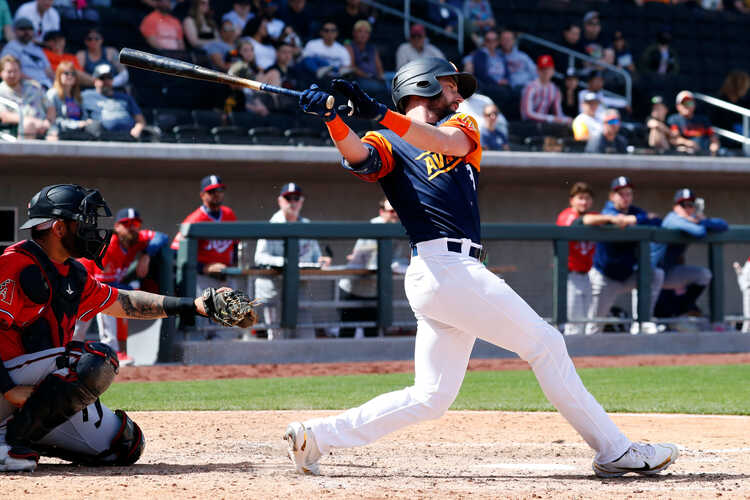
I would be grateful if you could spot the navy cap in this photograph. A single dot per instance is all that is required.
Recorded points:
(683, 194)
(127, 214)
(23, 23)
(290, 187)
(210, 182)
(619, 183)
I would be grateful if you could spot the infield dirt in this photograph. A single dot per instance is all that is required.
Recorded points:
(462, 455)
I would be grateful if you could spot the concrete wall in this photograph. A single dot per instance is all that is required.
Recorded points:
(162, 181)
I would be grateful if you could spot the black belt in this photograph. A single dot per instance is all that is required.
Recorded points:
(478, 253)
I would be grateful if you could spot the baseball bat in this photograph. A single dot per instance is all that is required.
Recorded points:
(170, 66)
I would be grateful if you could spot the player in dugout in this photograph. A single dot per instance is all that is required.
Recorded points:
(50, 383)
(426, 159)
(129, 244)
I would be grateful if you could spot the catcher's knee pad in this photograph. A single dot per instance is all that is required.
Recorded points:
(59, 397)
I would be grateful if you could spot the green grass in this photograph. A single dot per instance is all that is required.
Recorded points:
(673, 389)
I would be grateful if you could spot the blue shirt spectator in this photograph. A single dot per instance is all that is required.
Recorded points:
(34, 63)
(505, 65)
(116, 111)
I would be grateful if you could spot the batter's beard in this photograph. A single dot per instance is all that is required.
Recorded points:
(439, 107)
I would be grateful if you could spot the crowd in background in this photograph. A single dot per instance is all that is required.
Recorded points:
(87, 93)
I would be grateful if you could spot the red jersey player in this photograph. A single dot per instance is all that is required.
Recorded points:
(581, 253)
(128, 243)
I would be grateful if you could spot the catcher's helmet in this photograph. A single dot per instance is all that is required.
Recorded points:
(420, 77)
(73, 202)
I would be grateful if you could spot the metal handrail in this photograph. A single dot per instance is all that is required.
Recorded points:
(579, 55)
(719, 103)
(407, 17)
(13, 104)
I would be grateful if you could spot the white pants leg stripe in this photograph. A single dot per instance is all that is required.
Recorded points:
(456, 299)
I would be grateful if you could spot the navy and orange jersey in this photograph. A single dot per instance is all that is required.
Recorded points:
(435, 195)
(40, 300)
(210, 251)
(117, 259)
(692, 128)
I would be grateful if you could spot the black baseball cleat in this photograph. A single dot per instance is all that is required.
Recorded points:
(640, 458)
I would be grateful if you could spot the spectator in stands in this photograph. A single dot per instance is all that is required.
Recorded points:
(440, 14)
(615, 263)
(587, 123)
(161, 29)
(281, 75)
(240, 14)
(416, 47)
(365, 256)
(683, 284)
(38, 114)
(325, 56)
(270, 253)
(478, 18)
(570, 39)
(475, 106)
(660, 135)
(368, 70)
(299, 16)
(491, 136)
(54, 49)
(218, 51)
(570, 93)
(735, 91)
(269, 10)
(659, 58)
(6, 23)
(595, 83)
(96, 53)
(593, 41)
(608, 140)
(116, 111)
(696, 128)
(65, 96)
(79, 10)
(581, 253)
(199, 25)
(43, 16)
(541, 99)
(34, 64)
(247, 68)
(346, 18)
(623, 58)
(505, 68)
(257, 32)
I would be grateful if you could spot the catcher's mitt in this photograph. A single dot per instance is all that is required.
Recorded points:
(230, 307)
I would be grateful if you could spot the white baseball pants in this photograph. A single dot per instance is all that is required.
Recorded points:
(604, 292)
(80, 433)
(579, 301)
(743, 280)
(456, 300)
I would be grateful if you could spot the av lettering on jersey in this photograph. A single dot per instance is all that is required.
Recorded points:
(219, 245)
(7, 288)
(437, 163)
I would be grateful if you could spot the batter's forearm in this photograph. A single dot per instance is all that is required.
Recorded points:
(346, 141)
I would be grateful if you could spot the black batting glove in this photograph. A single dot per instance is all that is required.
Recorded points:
(313, 101)
(360, 105)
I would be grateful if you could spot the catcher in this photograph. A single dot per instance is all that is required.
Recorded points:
(51, 384)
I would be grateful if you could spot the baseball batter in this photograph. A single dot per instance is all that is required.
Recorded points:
(427, 161)
(50, 384)
(128, 243)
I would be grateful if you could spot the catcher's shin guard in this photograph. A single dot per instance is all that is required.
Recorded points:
(58, 397)
(125, 449)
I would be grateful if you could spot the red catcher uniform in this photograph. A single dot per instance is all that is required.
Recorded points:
(210, 251)
(580, 253)
(117, 260)
(40, 300)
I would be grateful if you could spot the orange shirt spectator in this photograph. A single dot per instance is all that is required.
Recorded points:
(161, 29)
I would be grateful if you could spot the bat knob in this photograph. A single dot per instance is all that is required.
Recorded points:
(330, 102)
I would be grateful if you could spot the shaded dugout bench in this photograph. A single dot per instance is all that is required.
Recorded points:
(384, 233)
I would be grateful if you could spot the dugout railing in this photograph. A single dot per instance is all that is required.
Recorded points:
(559, 237)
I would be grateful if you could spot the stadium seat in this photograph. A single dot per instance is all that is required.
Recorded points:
(305, 137)
(246, 120)
(230, 135)
(267, 135)
(168, 118)
(191, 134)
(208, 118)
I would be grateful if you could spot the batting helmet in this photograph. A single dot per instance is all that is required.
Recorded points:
(73, 202)
(420, 77)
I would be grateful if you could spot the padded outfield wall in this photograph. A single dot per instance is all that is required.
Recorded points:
(162, 181)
